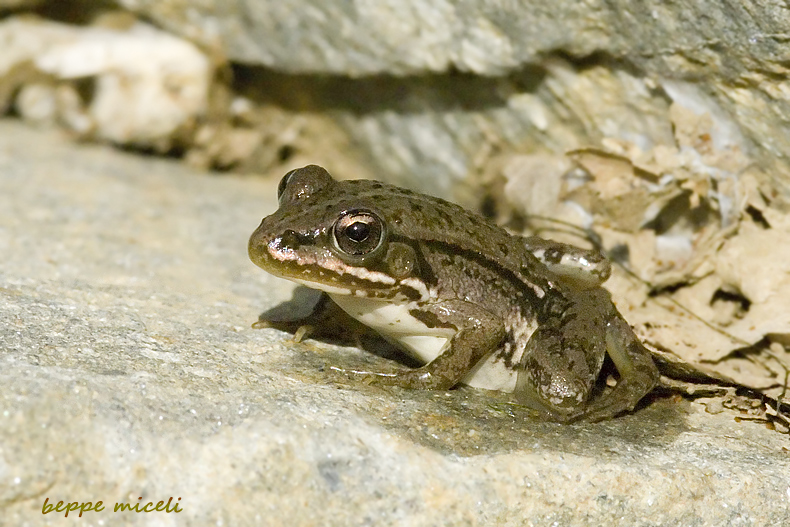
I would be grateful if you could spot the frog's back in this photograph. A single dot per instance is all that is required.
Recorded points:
(415, 216)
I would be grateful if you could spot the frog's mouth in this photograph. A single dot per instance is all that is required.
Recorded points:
(318, 268)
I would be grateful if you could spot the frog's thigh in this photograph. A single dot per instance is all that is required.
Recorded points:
(557, 373)
(638, 372)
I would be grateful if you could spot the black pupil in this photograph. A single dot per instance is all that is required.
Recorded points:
(358, 231)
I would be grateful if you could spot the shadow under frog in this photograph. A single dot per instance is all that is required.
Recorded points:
(442, 420)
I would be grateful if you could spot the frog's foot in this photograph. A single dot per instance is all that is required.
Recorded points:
(564, 406)
(306, 307)
(300, 333)
(532, 400)
(311, 314)
(638, 373)
(303, 332)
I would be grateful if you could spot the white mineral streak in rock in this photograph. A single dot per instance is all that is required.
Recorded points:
(148, 84)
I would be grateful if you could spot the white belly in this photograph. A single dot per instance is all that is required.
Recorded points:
(491, 374)
(425, 344)
(395, 322)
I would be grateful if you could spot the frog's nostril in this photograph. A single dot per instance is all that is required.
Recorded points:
(288, 240)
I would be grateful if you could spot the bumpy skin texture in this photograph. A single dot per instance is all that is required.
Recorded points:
(457, 276)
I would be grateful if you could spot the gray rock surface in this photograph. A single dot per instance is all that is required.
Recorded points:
(621, 63)
(129, 370)
(358, 37)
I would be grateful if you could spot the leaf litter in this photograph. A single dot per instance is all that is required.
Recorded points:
(703, 252)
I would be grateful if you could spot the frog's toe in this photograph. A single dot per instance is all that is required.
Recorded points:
(553, 403)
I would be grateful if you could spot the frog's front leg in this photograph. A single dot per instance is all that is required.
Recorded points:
(477, 333)
(563, 359)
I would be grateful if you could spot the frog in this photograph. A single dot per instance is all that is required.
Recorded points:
(473, 303)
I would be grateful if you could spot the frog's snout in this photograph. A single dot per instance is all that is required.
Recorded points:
(257, 245)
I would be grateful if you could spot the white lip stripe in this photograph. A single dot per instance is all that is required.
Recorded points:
(419, 286)
(331, 264)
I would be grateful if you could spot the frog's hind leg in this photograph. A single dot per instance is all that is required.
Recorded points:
(560, 364)
(563, 358)
(638, 373)
(554, 400)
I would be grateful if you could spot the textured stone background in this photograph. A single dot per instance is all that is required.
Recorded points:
(437, 88)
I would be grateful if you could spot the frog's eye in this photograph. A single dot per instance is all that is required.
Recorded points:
(283, 184)
(301, 183)
(358, 232)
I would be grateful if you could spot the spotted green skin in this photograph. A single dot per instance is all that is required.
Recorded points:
(457, 274)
